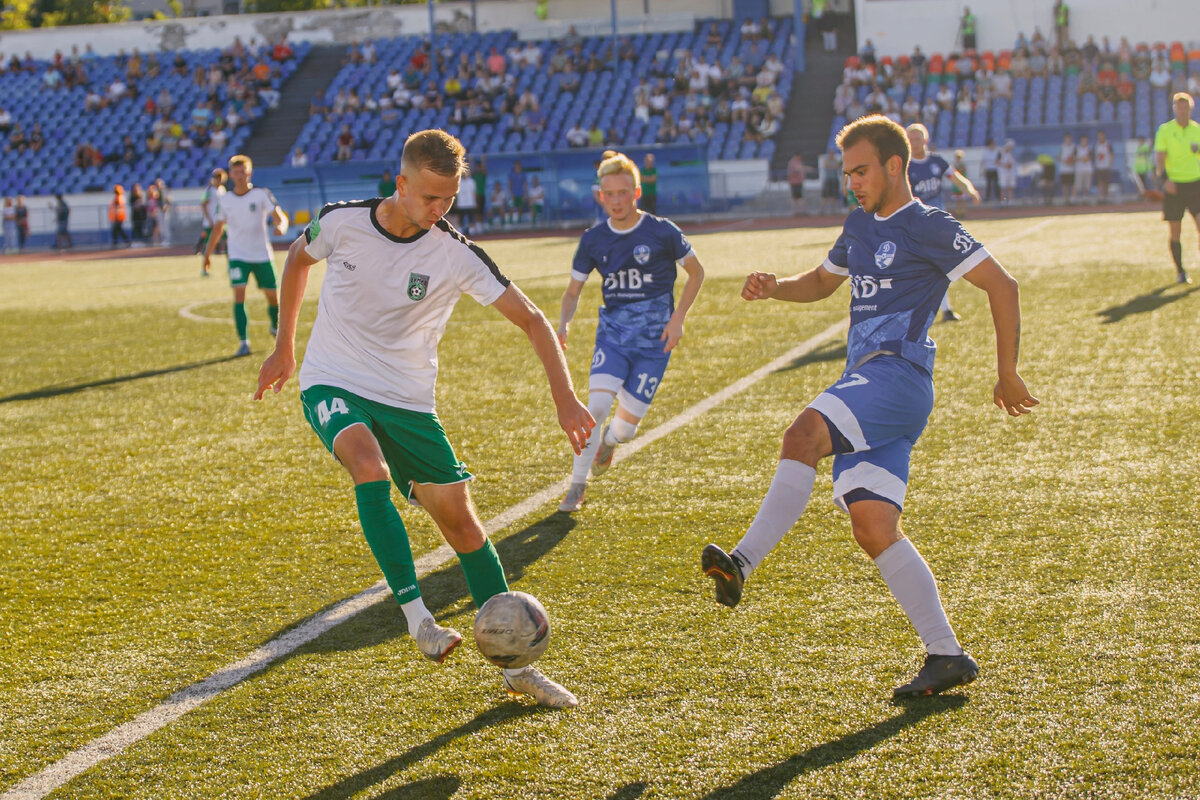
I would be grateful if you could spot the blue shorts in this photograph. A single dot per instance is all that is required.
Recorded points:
(633, 375)
(875, 415)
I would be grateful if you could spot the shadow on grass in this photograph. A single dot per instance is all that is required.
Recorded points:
(430, 787)
(831, 351)
(630, 791)
(443, 589)
(55, 391)
(1142, 304)
(770, 781)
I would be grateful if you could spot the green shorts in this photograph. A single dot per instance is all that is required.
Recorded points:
(263, 271)
(414, 444)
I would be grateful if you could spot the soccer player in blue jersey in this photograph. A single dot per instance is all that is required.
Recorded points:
(925, 173)
(899, 255)
(637, 255)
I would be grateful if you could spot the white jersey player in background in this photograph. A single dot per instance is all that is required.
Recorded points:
(244, 213)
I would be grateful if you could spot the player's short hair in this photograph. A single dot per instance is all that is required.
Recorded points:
(220, 174)
(620, 164)
(244, 160)
(888, 138)
(917, 126)
(1191, 101)
(436, 151)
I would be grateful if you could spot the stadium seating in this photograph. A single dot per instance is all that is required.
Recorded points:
(604, 96)
(66, 124)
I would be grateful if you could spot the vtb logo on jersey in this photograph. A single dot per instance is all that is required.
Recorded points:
(963, 241)
(418, 286)
(864, 286)
(885, 255)
(641, 254)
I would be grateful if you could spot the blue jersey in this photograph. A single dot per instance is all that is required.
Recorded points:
(925, 177)
(899, 269)
(639, 268)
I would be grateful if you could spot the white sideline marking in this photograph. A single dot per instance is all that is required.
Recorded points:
(115, 741)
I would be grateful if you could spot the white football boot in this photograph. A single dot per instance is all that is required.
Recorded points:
(533, 683)
(436, 642)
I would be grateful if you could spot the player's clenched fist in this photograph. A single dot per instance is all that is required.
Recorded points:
(759, 286)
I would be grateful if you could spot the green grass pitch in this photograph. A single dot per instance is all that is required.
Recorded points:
(159, 525)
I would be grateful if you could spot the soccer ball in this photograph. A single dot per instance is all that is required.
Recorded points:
(512, 629)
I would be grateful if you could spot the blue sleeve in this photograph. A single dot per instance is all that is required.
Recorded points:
(680, 246)
(583, 263)
(943, 163)
(836, 261)
(947, 246)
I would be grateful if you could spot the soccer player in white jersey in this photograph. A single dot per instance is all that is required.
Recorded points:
(245, 212)
(636, 255)
(899, 255)
(394, 271)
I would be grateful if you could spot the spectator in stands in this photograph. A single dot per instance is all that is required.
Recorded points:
(137, 213)
(36, 139)
(129, 153)
(991, 174)
(345, 144)
(965, 104)
(62, 216)
(668, 130)
(568, 80)
(1002, 85)
(796, 173)
(1018, 66)
(117, 90)
(353, 102)
(387, 185)
(497, 204)
(1062, 19)
(910, 111)
(968, 26)
(218, 136)
(282, 51)
(17, 141)
(299, 158)
(1006, 165)
(945, 97)
(595, 135)
(1160, 73)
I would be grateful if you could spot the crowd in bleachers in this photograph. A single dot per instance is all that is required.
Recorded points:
(721, 85)
(966, 99)
(81, 121)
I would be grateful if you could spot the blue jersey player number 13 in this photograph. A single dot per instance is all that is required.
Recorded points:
(637, 256)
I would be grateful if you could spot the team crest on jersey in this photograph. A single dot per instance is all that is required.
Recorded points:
(253, 207)
(963, 241)
(418, 286)
(641, 254)
(885, 255)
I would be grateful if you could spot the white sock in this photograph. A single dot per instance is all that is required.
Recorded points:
(514, 672)
(785, 501)
(911, 583)
(416, 613)
(599, 404)
(945, 306)
(620, 431)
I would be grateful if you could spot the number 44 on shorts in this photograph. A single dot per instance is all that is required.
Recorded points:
(326, 409)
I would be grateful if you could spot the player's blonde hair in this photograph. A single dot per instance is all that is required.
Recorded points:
(436, 151)
(917, 126)
(1191, 101)
(620, 164)
(243, 160)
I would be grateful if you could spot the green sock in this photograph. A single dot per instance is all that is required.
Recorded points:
(274, 312)
(385, 534)
(240, 320)
(485, 575)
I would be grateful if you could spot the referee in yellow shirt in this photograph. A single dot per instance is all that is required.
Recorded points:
(1177, 151)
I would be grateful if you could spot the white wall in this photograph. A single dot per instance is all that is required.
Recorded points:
(893, 26)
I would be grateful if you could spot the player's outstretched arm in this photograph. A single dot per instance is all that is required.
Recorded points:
(280, 365)
(570, 302)
(807, 287)
(674, 330)
(964, 183)
(281, 221)
(573, 416)
(1004, 298)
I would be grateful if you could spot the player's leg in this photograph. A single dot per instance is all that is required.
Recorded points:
(642, 381)
(241, 322)
(948, 313)
(876, 526)
(1174, 232)
(806, 441)
(264, 276)
(452, 510)
(343, 422)
(600, 403)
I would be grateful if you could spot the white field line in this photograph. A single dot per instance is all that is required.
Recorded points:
(115, 741)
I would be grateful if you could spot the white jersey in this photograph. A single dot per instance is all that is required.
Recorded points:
(385, 303)
(246, 217)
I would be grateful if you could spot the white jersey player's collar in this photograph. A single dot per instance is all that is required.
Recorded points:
(897, 211)
(641, 216)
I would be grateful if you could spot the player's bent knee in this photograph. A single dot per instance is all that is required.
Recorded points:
(807, 439)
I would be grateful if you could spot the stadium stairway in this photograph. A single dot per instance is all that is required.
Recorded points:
(809, 110)
(275, 134)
